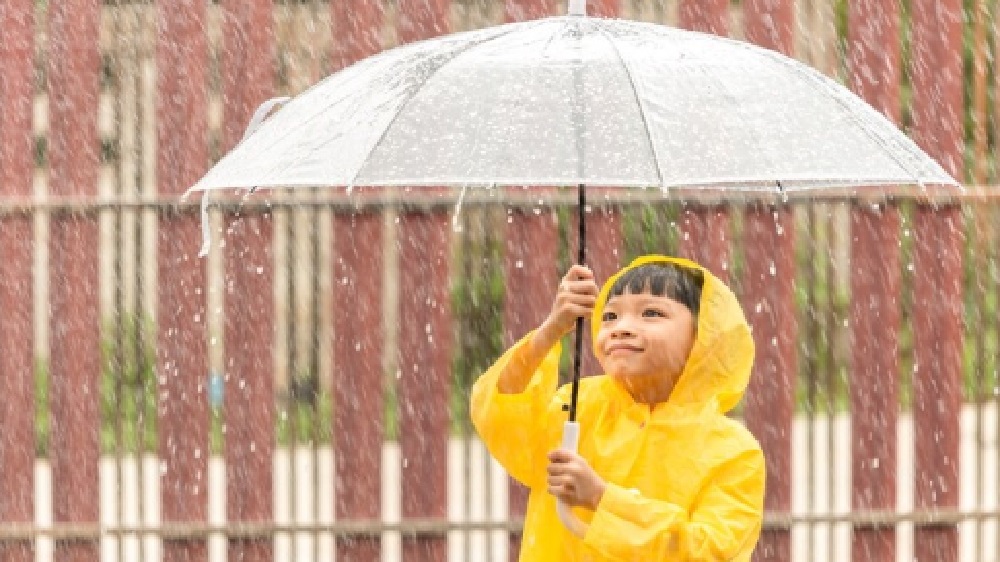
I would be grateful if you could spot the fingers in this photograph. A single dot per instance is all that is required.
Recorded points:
(580, 280)
(575, 298)
(577, 291)
(578, 271)
(564, 471)
(562, 456)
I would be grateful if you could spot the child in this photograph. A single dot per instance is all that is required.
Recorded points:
(662, 474)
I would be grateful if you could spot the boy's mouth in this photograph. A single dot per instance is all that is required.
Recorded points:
(623, 348)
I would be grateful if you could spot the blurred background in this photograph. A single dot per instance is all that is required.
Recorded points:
(166, 406)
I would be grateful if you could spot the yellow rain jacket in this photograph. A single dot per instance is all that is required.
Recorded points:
(684, 482)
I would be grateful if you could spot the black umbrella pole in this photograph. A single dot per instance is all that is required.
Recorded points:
(581, 259)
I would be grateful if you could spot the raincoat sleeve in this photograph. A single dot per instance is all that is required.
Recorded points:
(723, 524)
(519, 429)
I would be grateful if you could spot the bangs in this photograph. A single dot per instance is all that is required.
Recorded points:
(662, 280)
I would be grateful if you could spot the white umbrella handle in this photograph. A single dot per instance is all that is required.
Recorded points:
(571, 441)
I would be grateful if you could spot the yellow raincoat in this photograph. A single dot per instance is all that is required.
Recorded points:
(684, 482)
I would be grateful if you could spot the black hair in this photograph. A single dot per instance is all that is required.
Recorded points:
(662, 279)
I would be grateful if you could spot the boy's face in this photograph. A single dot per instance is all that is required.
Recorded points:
(645, 339)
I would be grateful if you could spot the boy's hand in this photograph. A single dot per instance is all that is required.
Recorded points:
(575, 298)
(573, 481)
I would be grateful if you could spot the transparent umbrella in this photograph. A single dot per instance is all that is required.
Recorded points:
(578, 101)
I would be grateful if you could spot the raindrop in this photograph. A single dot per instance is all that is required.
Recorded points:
(773, 270)
(260, 270)
(774, 342)
(519, 264)
(197, 453)
(406, 463)
(197, 318)
(253, 447)
(357, 346)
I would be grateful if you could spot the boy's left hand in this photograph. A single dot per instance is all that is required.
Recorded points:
(573, 481)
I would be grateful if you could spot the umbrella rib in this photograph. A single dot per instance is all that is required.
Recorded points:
(915, 175)
(638, 103)
(418, 87)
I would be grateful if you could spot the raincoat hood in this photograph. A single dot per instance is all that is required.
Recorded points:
(718, 368)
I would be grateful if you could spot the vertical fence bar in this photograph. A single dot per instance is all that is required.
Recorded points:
(425, 373)
(604, 8)
(874, 388)
(705, 237)
(809, 366)
(770, 304)
(17, 356)
(531, 253)
(833, 321)
(75, 373)
(937, 378)
(356, 31)
(249, 401)
(182, 354)
(874, 61)
(707, 16)
(769, 405)
(247, 68)
(424, 335)
(422, 19)
(524, 10)
(358, 384)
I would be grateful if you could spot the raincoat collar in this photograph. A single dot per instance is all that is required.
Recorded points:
(718, 369)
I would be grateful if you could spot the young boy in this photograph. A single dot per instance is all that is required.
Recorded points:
(662, 474)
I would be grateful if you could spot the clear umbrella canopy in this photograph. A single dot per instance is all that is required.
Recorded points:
(575, 100)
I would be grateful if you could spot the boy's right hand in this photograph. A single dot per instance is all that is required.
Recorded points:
(574, 299)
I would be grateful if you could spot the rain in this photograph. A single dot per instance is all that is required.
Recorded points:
(401, 213)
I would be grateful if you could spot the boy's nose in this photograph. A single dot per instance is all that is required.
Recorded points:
(622, 328)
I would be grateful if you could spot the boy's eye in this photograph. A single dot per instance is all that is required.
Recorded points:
(608, 316)
(653, 313)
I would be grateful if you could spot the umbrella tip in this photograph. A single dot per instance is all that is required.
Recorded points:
(577, 7)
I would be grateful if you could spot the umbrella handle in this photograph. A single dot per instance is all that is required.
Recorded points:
(571, 441)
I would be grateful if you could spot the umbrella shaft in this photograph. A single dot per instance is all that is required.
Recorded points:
(581, 259)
